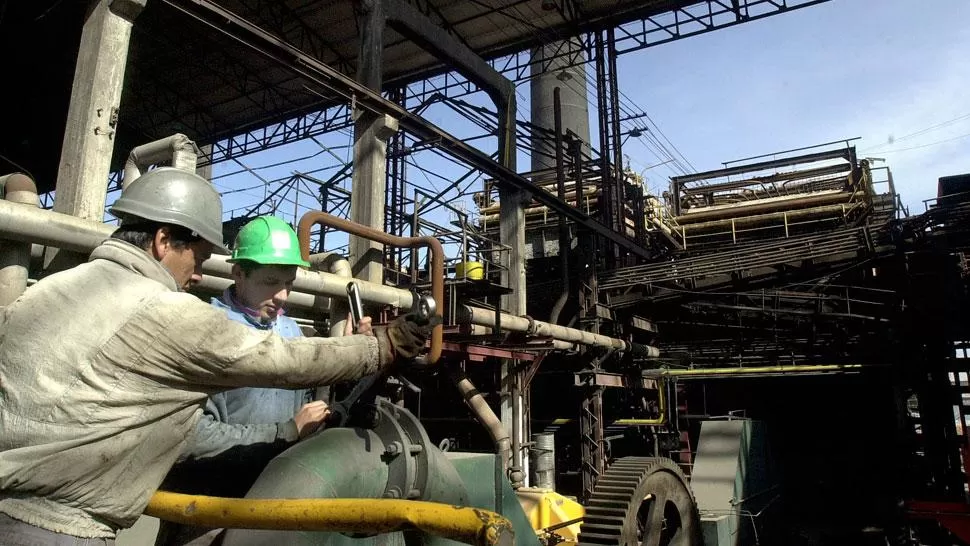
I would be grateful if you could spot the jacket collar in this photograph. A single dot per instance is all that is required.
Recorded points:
(228, 301)
(136, 260)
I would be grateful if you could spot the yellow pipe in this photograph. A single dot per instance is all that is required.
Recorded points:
(464, 524)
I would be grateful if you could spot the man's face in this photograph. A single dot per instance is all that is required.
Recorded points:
(185, 264)
(264, 289)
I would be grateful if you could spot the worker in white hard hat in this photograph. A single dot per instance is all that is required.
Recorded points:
(104, 367)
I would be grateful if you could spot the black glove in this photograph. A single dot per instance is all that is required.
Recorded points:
(407, 336)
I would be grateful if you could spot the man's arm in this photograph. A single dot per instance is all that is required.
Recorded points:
(213, 436)
(179, 338)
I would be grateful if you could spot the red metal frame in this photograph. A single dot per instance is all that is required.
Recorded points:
(954, 516)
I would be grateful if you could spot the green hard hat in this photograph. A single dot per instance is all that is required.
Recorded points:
(267, 240)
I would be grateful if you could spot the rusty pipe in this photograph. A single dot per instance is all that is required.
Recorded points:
(434, 245)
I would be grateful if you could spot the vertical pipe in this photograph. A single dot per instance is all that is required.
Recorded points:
(14, 255)
(415, 228)
(561, 193)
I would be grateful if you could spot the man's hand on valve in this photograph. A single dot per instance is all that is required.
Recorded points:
(310, 417)
(405, 337)
(363, 327)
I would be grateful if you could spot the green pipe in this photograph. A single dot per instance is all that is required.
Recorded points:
(341, 463)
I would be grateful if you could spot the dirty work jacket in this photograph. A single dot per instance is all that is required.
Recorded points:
(103, 369)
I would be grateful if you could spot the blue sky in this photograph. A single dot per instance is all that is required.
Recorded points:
(880, 70)
(892, 72)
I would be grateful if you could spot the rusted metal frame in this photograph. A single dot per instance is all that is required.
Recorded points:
(597, 378)
(269, 136)
(954, 516)
(479, 353)
(593, 461)
(307, 34)
(434, 246)
(676, 30)
(219, 62)
(394, 224)
(326, 76)
(570, 10)
(764, 165)
(428, 9)
(168, 101)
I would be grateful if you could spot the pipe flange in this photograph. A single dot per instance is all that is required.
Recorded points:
(406, 447)
(531, 329)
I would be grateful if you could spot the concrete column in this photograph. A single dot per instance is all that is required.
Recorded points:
(371, 132)
(92, 117)
(82, 177)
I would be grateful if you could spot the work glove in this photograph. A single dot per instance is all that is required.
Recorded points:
(405, 337)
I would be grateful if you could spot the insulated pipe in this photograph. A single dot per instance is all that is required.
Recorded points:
(486, 317)
(466, 525)
(50, 228)
(486, 417)
(807, 369)
(15, 255)
(434, 245)
(178, 149)
(339, 266)
(748, 209)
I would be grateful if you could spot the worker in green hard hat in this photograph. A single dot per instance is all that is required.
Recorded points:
(106, 366)
(242, 429)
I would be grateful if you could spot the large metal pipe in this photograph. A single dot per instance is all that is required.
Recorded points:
(563, 227)
(50, 228)
(485, 416)
(15, 255)
(177, 149)
(339, 266)
(486, 317)
(827, 197)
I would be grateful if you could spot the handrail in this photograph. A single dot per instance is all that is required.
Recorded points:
(464, 524)
(312, 218)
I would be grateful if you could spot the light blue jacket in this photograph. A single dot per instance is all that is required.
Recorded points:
(249, 416)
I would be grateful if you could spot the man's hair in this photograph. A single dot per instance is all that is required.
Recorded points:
(141, 233)
(248, 266)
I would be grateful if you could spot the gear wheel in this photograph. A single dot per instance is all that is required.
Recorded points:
(641, 500)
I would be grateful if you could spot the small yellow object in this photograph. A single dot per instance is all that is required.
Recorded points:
(470, 270)
(545, 508)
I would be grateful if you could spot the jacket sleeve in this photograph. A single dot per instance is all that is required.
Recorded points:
(178, 339)
(213, 436)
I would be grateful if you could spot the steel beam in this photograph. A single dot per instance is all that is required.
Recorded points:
(841, 153)
(321, 74)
